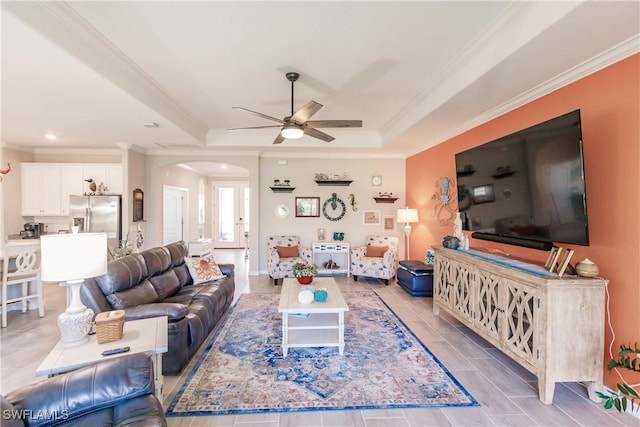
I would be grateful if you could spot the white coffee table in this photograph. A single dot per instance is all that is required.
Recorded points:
(142, 336)
(318, 324)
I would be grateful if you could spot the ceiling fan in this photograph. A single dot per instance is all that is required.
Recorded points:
(298, 124)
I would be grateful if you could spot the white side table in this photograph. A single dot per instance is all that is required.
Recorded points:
(142, 336)
(335, 251)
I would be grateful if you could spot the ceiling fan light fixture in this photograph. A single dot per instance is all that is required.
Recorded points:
(292, 131)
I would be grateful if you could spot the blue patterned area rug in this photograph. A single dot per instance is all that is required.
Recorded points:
(383, 366)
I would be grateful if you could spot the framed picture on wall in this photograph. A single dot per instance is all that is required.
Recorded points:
(389, 223)
(307, 206)
(371, 217)
(138, 205)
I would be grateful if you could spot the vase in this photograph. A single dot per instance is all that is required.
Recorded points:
(457, 226)
(305, 280)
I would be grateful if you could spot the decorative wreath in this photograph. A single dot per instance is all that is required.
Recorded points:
(335, 201)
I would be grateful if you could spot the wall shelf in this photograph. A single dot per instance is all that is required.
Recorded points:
(465, 173)
(282, 189)
(334, 182)
(385, 199)
(501, 175)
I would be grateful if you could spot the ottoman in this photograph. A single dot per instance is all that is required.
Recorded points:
(416, 278)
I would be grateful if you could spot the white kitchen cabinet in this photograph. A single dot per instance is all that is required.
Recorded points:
(108, 174)
(40, 189)
(71, 183)
(552, 326)
(46, 187)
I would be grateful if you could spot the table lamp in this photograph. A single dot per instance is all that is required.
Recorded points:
(407, 216)
(70, 258)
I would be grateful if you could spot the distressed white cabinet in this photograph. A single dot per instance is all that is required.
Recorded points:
(40, 189)
(553, 326)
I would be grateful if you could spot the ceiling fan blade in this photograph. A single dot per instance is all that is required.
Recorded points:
(259, 114)
(318, 134)
(335, 123)
(256, 127)
(305, 112)
(279, 139)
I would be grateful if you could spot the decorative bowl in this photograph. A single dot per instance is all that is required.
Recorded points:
(587, 268)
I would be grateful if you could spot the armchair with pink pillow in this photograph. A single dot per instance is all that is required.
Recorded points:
(378, 258)
(282, 253)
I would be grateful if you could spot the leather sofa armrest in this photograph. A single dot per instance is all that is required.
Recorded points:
(86, 390)
(174, 311)
(227, 269)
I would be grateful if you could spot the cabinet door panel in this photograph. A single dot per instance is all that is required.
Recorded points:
(488, 313)
(520, 322)
(443, 281)
(462, 290)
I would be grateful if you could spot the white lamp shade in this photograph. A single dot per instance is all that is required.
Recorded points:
(407, 215)
(292, 131)
(69, 257)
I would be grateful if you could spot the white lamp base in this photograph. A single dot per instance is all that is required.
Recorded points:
(75, 327)
(75, 322)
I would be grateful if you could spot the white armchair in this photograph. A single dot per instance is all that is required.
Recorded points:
(282, 253)
(377, 258)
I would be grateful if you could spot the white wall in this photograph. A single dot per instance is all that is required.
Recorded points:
(301, 172)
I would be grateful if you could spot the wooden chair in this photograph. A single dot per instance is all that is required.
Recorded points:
(25, 272)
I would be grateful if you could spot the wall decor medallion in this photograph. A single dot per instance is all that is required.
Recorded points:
(334, 209)
(446, 200)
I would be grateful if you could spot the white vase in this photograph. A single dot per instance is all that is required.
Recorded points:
(457, 227)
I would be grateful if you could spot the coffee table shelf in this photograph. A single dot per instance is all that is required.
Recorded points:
(318, 324)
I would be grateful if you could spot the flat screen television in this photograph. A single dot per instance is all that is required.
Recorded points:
(527, 188)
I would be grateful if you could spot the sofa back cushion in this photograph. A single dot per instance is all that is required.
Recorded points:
(123, 273)
(143, 293)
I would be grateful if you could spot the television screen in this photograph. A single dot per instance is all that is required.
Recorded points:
(528, 185)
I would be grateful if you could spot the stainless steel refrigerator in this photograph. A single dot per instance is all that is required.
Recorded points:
(97, 214)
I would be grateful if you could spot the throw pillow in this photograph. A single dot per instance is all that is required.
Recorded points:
(287, 251)
(376, 251)
(203, 269)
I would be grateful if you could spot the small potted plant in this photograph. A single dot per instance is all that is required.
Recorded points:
(304, 272)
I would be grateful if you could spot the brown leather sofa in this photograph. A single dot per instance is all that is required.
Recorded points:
(157, 282)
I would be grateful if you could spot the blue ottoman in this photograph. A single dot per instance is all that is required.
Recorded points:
(416, 278)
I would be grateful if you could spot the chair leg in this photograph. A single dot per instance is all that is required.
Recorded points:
(386, 282)
(40, 298)
(4, 305)
(355, 278)
(25, 292)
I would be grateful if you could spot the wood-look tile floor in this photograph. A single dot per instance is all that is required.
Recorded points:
(506, 392)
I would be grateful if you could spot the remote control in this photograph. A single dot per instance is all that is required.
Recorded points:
(115, 351)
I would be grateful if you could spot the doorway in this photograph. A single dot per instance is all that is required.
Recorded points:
(230, 214)
(175, 214)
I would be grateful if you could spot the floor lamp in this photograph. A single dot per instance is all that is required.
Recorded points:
(70, 258)
(407, 216)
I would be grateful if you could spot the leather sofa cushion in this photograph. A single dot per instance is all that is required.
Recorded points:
(178, 252)
(120, 380)
(144, 293)
(166, 284)
(123, 273)
(157, 260)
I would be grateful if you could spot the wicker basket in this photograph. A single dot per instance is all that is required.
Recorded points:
(109, 325)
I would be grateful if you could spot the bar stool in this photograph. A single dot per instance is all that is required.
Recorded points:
(25, 272)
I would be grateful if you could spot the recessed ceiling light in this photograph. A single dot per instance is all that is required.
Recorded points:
(50, 136)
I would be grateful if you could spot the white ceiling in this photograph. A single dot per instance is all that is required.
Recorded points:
(416, 72)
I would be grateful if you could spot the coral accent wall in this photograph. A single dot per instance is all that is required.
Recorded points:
(609, 101)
